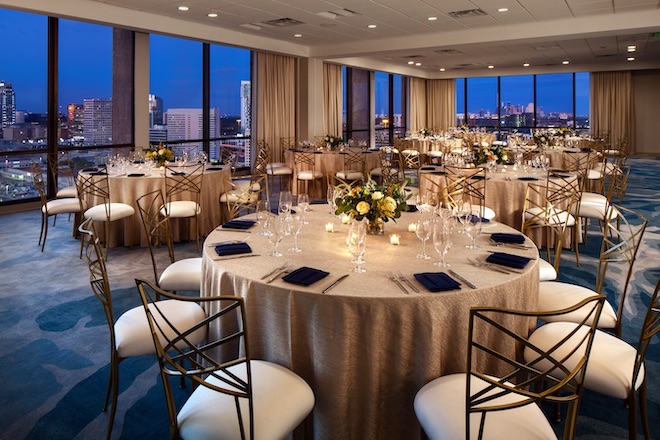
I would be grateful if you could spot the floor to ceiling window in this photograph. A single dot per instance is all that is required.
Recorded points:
(517, 101)
(482, 102)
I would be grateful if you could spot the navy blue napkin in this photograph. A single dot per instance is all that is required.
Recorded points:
(214, 169)
(233, 249)
(509, 260)
(305, 276)
(135, 175)
(239, 224)
(98, 173)
(528, 178)
(475, 218)
(412, 208)
(178, 173)
(277, 211)
(560, 175)
(437, 281)
(427, 169)
(439, 173)
(502, 237)
(477, 177)
(89, 170)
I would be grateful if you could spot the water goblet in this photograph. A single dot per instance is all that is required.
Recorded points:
(303, 204)
(356, 242)
(423, 232)
(275, 226)
(263, 211)
(441, 242)
(472, 228)
(294, 225)
(463, 211)
(285, 202)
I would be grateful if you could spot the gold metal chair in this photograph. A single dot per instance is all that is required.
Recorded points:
(389, 170)
(51, 207)
(234, 395)
(130, 333)
(503, 400)
(94, 191)
(305, 165)
(179, 275)
(353, 169)
(472, 182)
(243, 194)
(183, 190)
(61, 169)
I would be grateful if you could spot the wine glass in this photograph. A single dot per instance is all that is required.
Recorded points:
(303, 204)
(330, 197)
(275, 226)
(285, 202)
(441, 242)
(463, 211)
(423, 232)
(294, 225)
(356, 242)
(472, 228)
(263, 211)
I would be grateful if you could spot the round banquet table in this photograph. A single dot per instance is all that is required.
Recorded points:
(125, 189)
(365, 347)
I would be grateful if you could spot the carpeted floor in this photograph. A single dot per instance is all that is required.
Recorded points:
(54, 348)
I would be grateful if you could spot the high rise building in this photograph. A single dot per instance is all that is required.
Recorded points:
(155, 111)
(186, 123)
(75, 115)
(7, 105)
(97, 121)
(246, 107)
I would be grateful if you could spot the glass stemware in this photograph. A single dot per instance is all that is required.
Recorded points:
(263, 211)
(472, 228)
(463, 211)
(356, 242)
(423, 232)
(294, 225)
(303, 204)
(330, 197)
(285, 202)
(441, 242)
(275, 226)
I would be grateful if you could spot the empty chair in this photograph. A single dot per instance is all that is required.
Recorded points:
(183, 189)
(353, 167)
(305, 165)
(389, 170)
(236, 397)
(50, 207)
(472, 183)
(480, 405)
(62, 169)
(184, 274)
(243, 194)
(130, 334)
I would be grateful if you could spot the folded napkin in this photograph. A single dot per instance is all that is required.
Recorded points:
(135, 175)
(239, 224)
(98, 173)
(305, 276)
(585, 149)
(412, 208)
(477, 177)
(475, 219)
(276, 211)
(427, 169)
(437, 281)
(89, 170)
(439, 173)
(502, 237)
(560, 175)
(178, 173)
(214, 169)
(233, 249)
(509, 260)
(138, 161)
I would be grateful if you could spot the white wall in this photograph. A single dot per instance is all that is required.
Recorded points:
(646, 85)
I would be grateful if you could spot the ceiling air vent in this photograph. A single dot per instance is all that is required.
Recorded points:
(449, 52)
(467, 13)
(283, 22)
(607, 55)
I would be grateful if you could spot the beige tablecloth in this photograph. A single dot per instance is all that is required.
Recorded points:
(128, 189)
(365, 347)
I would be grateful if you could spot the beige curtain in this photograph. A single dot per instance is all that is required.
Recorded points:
(612, 107)
(332, 99)
(417, 104)
(275, 100)
(440, 104)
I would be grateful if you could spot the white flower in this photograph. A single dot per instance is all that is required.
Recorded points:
(484, 144)
(377, 195)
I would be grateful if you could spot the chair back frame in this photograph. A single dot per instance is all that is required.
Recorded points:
(470, 182)
(156, 227)
(247, 195)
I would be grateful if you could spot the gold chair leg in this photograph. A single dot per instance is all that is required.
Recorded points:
(643, 410)
(632, 416)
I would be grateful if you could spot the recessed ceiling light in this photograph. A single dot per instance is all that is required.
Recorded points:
(632, 48)
(491, 67)
(411, 62)
(526, 65)
(297, 35)
(371, 26)
(183, 8)
(418, 64)
(432, 18)
(631, 58)
(565, 62)
(503, 10)
(442, 69)
(212, 15)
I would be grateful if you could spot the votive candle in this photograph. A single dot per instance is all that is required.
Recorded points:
(395, 239)
(329, 227)
(412, 227)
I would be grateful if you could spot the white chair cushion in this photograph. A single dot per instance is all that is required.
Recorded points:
(553, 216)
(278, 170)
(61, 206)
(435, 153)
(547, 271)
(67, 191)
(117, 211)
(181, 209)
(410, 152)
(588, 197)
(277, 164)
(184, 274)
(281, 401)
(611, 361)
(349, 175)
(594, 174)
(487, 213)
(309, 175)
(555, 295)
(597, 210)
(235, 195)
(133, 336)
(440, 409)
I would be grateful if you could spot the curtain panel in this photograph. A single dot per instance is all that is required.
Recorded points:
(612, 107)
(417, 104)
(441, 104)
(332, 99)
(275, 100)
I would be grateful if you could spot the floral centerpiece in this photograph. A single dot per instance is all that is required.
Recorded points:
(376, 203)
(543, 138)
(487, 153)
(159, 154)
(332, 140)
(424, 132)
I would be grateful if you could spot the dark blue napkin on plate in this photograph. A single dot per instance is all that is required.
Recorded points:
(89, 170)
(412, 208)
(528, 178)
(305, 276)
(98, 173)
(502, 237)
(437, 281)
(239, 224)
(233, 249)
(509, 260)
(135, 175)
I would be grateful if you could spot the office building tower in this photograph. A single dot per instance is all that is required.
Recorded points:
(155, 111)
(75, 115)
(246, 107)
(7, 105)
(97, 121)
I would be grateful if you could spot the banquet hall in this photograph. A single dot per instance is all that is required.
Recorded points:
(417, 98)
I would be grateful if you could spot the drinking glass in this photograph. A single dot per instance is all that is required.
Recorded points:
(263, 211)
(285, 202)
(463, 211)
(331, 197)
(275, 226)
(294, 224)
(423, 232)
(357, 242)
(303, 204)
(441, 242)
(472, 228)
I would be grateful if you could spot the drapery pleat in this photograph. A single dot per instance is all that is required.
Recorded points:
(332, 99)
(441, 104)
(275, 100)
(417, 104)
(612, 107)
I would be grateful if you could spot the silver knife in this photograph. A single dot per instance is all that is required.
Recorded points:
(234, 257)
(337, 281)
(460, 278)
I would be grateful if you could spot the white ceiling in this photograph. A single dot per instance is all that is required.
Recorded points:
(590, 34)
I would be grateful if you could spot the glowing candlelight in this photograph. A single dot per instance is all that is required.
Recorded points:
(395, 239)
(329, 227)
(412, 227)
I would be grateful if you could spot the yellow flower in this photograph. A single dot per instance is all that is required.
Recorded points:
(389, 204)
(363, 207)
(377, 195)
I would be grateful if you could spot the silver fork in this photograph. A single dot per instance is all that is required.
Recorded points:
(392, 278)
(476, 263)
(405, 280)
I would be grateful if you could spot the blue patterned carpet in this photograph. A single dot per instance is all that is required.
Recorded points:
(53, 337)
